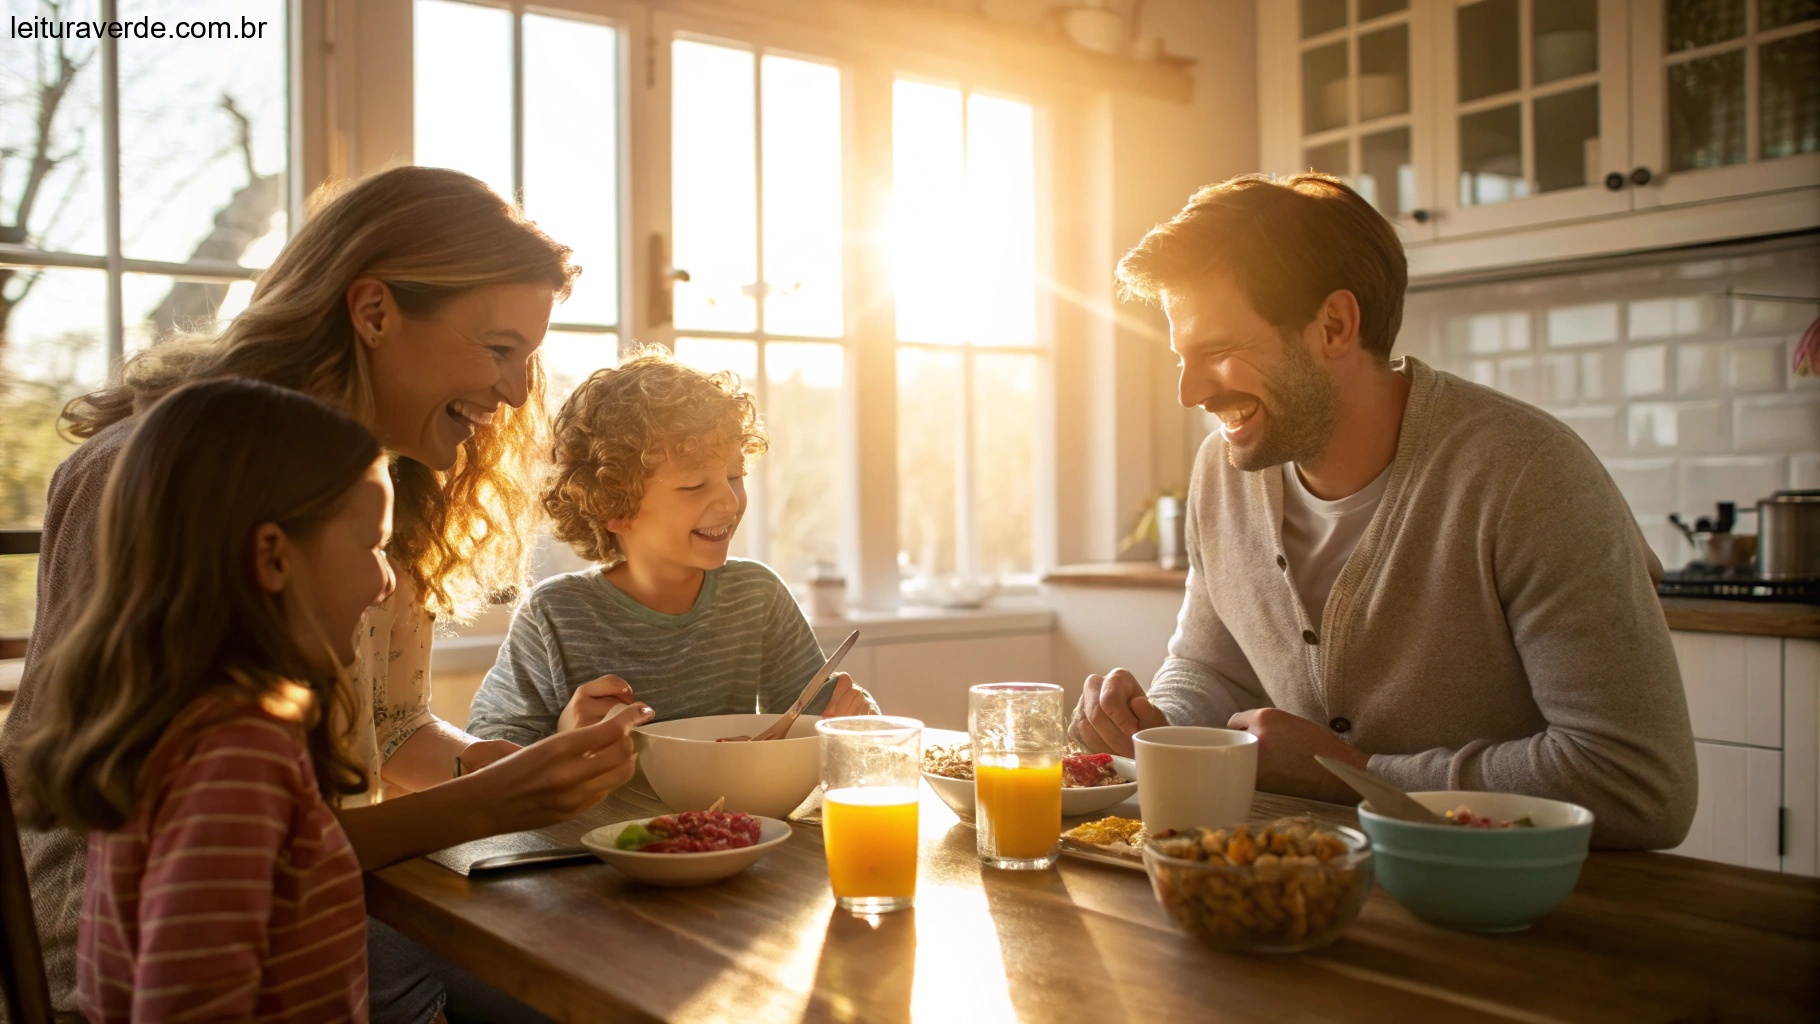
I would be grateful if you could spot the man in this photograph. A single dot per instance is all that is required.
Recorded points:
(1389, 565)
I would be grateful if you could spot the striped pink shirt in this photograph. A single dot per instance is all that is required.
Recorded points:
(232, 895)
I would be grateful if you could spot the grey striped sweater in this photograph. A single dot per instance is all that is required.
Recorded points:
(745, 647)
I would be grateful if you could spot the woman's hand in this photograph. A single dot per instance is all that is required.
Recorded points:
(592, 700)
(560, 776)
(847, 699)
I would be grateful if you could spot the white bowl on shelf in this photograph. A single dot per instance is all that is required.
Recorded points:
(1096, 29)
(1381, 95)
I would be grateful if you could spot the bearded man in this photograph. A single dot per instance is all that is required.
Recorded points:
(1389, 565)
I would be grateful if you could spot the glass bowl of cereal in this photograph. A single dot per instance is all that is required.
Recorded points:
(1284, 887)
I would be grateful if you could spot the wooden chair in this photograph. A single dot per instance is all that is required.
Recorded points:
(28, 994)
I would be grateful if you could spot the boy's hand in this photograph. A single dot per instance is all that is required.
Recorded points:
(592, 700)
(847, 699)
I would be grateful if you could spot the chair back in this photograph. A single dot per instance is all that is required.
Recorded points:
(27, 993)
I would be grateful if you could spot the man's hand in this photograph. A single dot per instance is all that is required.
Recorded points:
(847, 699)
(1112, 708)
(1286, 748)
(592, 700)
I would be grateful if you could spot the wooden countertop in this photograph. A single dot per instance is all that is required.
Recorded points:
(1698, 614)
(1643, 937)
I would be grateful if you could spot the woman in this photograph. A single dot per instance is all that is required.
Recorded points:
(414, 300)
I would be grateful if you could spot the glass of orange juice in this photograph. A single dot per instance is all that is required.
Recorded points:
(1018, 745)
(870, 766)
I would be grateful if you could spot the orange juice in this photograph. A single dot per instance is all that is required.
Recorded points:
(1020, 806)
(869, 834)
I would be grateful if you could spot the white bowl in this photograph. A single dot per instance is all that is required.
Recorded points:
(688, 770)
(1381, 95)
(682, 868)
(1076, 802)
(1095, 29)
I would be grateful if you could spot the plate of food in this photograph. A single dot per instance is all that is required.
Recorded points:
(1114, 840)
(1091, 783)
(690, 848)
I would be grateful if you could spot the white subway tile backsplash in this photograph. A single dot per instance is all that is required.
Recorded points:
(1592, 324)
(1596, 425)
(1676, 317)
(1788, 423)
(1482, 371)
(1755, 366)
(1740, 479)
(1489, 333)
(1599, 374)
(1804, 471)
(1684, 427)
(1648, 485)
(1699, 368)
(1645, 370)
(1517, 377)
(1754, 316)
(1558, 380)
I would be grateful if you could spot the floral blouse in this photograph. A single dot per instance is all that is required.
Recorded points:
(391, 673)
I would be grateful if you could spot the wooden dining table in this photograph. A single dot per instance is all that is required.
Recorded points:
(1644, 937)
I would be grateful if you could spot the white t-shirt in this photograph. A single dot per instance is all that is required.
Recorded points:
(1318, 536)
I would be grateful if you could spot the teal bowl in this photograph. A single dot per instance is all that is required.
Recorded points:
(1481, 879)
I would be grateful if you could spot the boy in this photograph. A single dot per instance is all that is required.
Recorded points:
(649, 484)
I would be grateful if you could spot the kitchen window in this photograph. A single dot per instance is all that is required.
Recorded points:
(161, 187)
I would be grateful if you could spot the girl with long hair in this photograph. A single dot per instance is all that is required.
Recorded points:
(413, 301)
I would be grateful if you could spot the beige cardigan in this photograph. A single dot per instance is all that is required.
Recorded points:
(1497, 627)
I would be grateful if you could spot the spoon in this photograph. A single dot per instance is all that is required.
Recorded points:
(1385, 798)
(781, 728)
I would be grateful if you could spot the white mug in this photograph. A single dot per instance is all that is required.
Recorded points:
(1194, 776)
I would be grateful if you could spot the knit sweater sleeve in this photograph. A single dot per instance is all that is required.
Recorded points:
(1575, 579)
(1206, 679)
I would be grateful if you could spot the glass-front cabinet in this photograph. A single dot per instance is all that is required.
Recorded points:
(1475, 119)
(1728, 97)
(1533, 111)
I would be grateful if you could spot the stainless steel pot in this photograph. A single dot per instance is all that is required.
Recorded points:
(1788, 535)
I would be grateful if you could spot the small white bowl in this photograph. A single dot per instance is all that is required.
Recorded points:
(678, 869)
(1076, 802)
(688, 770)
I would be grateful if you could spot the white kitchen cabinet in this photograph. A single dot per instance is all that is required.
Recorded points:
(1497, 133)
(1754, 703)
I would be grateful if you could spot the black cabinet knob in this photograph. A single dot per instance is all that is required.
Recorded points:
(1640, 177)
(1614, 181)
(1419, 216)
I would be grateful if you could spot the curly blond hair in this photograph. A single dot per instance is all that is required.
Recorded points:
(464, 534)
(621, 424)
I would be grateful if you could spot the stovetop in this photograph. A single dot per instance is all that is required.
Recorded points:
(1736, 586)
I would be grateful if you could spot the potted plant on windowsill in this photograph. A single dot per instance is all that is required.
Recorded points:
(1163, 522)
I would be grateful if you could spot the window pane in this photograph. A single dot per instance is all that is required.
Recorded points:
(1369, 9)
(1790, 71)
(1567, 39)
(1567, 139)
(1491, 157)
(1000, 244)
(204, 128)
(1384, 73)
(152, 306)
(928, 410)
(802, 471)
(929, 173)
(802, 144)
(1320, 16)
(741, 357)
(1487, 48)
(65, 211)
(569, 357)
(1695, 23)
(714, 187)
(1004, 461)
(1774, 14)
(1706, 112)
(51, 351)
(462, 63)
(1387, 175)
(571, 157)
(1325, 81)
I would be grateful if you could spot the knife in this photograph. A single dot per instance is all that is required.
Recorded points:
(1385, 798)
(528, 858)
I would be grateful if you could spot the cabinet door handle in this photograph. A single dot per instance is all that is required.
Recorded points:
(1614, 181)
(1420, 216)
(1640, 177)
